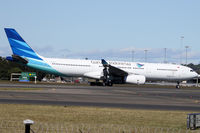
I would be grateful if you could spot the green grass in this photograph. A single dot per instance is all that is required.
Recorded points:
(93, 115)
(91, 119)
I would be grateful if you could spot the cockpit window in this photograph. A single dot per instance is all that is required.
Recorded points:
(191, 71)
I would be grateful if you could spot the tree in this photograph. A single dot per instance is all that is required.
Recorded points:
(8, 67)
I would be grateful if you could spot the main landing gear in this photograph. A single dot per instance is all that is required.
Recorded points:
(97, 83)
(104, 83)
(107, 77)
(107, 83)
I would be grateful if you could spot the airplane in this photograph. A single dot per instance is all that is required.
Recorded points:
(110, 72)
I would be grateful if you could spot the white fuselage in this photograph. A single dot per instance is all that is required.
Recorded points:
(152, 71)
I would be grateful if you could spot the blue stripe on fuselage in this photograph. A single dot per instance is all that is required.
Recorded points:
(42, 66)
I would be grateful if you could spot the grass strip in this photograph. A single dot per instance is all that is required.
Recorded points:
(94, 115)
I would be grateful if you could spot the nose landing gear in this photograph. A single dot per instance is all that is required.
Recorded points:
(178, 85)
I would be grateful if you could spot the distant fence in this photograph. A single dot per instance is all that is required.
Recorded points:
(18, 127)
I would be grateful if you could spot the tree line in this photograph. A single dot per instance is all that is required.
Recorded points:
(8, 67)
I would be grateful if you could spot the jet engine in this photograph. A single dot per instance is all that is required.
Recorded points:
(135, 79)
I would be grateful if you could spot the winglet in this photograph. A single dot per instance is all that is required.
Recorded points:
(104, 62)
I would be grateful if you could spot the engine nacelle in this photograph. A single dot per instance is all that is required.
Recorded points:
(135, 79)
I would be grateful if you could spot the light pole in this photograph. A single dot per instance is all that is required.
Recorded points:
(132, 52)
(186, 50)
(165, 52)
(181, 49)
(145, 53)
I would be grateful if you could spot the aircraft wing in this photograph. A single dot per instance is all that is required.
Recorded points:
(114, 70)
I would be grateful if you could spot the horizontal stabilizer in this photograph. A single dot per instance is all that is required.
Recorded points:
(17, 58)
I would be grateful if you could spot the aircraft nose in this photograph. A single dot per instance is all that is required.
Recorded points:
(196, 74)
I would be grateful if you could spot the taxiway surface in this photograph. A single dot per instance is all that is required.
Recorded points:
(122, 97)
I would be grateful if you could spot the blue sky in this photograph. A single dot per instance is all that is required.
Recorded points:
(107, 29)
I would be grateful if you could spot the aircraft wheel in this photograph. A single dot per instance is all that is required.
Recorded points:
(178, 86)
(110, 83)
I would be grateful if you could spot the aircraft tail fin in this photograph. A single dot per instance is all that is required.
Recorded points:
(19, 46)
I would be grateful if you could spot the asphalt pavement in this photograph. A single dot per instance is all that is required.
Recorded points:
(134, 97)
